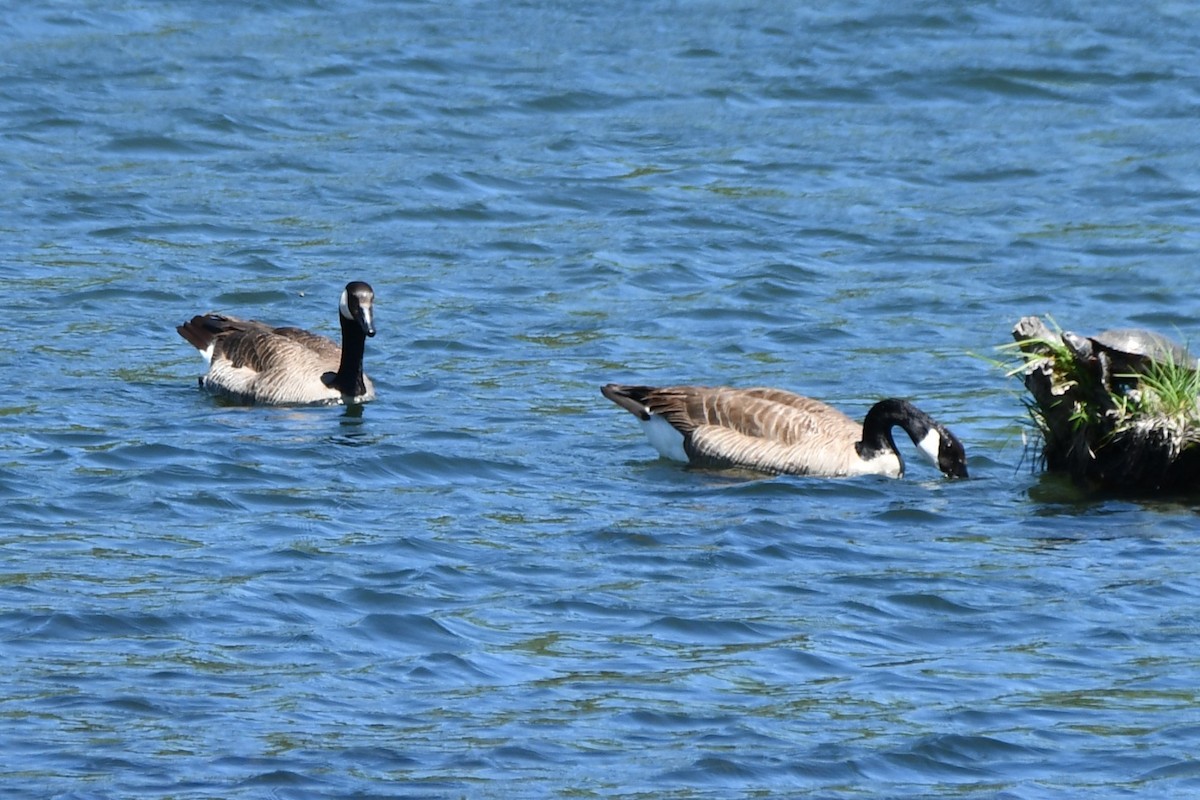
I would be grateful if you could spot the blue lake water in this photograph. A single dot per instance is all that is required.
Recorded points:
(486, 584)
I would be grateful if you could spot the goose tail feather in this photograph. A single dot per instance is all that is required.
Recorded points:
(202, 330)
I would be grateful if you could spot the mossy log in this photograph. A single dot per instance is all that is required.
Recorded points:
(1112, 434)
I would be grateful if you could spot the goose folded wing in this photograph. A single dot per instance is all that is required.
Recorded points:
(321, 345)
(773, 414)
(264, 351)
(771, 430)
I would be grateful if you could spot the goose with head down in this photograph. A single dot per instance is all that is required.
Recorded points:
(778, 432)
(252, 362)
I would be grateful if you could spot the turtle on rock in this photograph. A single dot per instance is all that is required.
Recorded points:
(1125, 351)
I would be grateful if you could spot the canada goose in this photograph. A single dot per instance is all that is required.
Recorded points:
(770, 430)
(251, 362)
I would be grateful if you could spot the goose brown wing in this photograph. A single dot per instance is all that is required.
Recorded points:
(321, 345)
(793, 419)
(201, 330)
(260, 348)
(769, 430)
(773, 414)
(689, 407)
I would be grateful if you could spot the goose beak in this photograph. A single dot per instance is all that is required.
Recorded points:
(366, 320)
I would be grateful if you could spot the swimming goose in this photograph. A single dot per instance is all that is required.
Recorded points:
(251, 362)
(773, 431)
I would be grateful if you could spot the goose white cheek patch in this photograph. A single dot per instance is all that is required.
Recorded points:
(666, 440)
(930, 445)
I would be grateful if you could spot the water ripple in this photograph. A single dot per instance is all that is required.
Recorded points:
(486, 583)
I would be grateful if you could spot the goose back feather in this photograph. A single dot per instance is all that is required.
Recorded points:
(252, 362)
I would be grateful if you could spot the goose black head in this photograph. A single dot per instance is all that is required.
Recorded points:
(933, 440)
(358, 306)
(951, 455)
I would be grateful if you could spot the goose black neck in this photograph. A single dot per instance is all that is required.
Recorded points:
(349, 379)
(888, 414)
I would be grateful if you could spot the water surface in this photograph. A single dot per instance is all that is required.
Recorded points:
(486, 584)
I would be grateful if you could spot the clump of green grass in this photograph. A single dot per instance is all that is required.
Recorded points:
(1166, 397)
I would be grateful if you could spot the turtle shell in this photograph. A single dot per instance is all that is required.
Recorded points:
(1141, 343)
